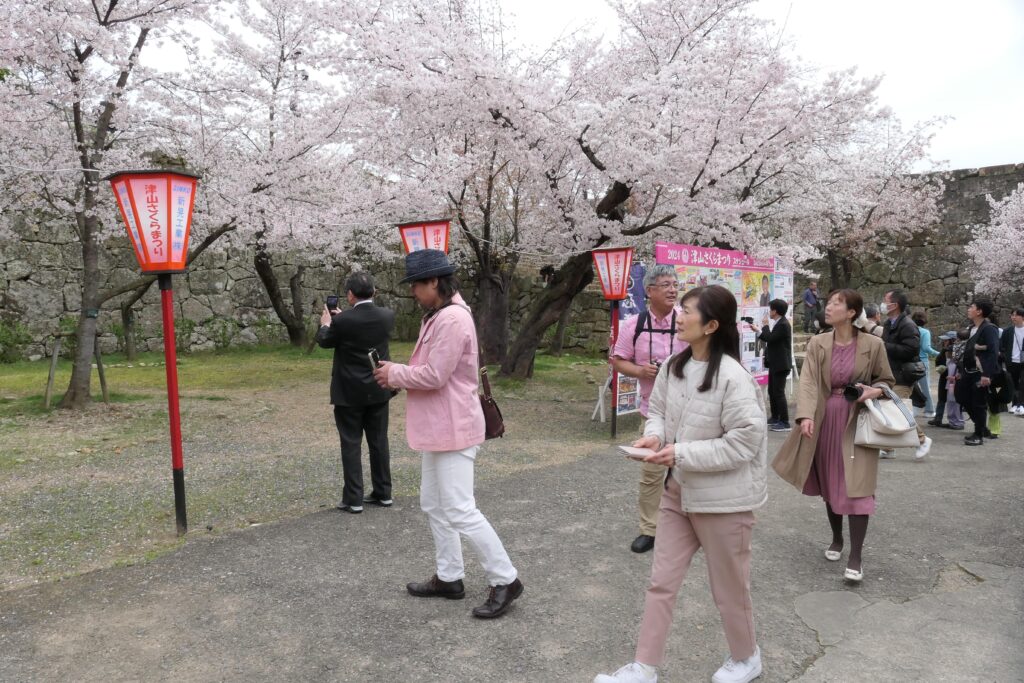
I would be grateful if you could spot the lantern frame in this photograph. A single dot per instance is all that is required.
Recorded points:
(167, 199)
(612, 273)
(408, 233)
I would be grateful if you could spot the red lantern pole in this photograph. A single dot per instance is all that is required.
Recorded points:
(173, 411)
(156, 206)
(615, 376)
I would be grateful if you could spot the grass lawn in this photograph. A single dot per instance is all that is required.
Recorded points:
(90, 489)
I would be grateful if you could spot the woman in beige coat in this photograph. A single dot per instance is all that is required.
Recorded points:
(820, 459)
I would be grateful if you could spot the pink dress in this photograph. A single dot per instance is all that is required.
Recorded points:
(827, 477)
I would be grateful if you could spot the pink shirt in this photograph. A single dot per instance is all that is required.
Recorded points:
(442, 408)
(657, 346)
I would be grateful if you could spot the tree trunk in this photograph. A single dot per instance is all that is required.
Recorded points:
(77, 396)
(839, 269)
(568, 281)
(558, 342)
(290, 317)
(128, 329)
(492, 315)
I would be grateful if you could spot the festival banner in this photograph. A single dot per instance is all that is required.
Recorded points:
(754, 282)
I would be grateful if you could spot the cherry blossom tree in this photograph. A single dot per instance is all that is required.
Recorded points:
(997, 251)
(268, 113)
(70, 118)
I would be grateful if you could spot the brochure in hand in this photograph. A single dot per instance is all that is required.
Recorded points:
(636, 453)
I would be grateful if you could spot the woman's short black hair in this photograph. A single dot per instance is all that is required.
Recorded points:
(779, 306)
(920, 318)
(447, 287)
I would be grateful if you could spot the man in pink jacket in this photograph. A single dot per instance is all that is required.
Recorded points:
(445, 423)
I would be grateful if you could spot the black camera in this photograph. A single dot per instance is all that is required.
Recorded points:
(332, 302)
(747, 319)
(851, 392)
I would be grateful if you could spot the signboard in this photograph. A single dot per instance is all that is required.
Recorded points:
(754, 283)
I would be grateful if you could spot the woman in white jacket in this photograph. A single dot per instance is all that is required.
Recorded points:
(707, 423)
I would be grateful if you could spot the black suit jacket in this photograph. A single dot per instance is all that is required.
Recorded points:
(352, 334)
(777, 345)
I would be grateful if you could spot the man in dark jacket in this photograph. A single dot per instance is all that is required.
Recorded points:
(981, 367)
(902, 345)
(778, 359)
(360, 404)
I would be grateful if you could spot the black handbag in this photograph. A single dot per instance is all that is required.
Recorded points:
(911, 371)
(494, 423)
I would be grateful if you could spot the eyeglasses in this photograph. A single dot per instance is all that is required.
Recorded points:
(667, 286)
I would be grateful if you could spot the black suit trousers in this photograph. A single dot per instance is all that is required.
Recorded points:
(352, 423)
(777, 394)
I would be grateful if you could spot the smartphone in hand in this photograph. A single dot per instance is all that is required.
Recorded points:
(374, 359)
(332, 302)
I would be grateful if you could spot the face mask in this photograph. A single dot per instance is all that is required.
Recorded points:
(883, 308)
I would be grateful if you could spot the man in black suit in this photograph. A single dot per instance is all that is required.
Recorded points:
(778, 359)
(360, 404)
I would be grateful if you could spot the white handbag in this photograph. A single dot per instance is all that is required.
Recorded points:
(886, 424)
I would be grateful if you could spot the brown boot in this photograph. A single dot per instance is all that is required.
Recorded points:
(499, 600)
(436, 588)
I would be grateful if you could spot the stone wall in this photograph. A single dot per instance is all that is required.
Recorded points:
(933, 266)
(220, 300)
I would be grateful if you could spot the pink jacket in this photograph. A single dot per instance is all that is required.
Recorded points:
(442, 408)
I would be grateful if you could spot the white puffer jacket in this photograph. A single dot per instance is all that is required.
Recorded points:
(721, 436)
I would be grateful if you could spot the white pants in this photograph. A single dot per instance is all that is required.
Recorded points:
(446, 495)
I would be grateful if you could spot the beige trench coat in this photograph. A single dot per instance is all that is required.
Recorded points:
(793, 461)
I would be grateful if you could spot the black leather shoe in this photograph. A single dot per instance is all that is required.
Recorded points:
(499, 600)
(958, 428)
(354, 509)
(936, 422)
(436, 588)
(379, 502)
(973, 440)
(642, 543)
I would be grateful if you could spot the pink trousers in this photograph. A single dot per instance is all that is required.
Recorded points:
(726, 542)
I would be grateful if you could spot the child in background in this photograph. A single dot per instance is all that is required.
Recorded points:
(946, 366)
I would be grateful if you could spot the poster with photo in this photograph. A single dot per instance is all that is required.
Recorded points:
(754, 283)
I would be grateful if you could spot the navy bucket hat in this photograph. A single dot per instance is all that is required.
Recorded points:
(425, 264)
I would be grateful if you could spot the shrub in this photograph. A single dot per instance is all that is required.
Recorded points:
(183, 330)
(14, 337)
(221, 331)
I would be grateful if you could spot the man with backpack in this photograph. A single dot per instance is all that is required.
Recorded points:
(644, 343)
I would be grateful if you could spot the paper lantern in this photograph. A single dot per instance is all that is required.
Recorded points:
(612, 266)
(425, 235)
(157, 210)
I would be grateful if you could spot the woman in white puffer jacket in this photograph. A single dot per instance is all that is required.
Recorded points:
(707, 423)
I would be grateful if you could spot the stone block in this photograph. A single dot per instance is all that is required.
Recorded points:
(928, 294)
(19, 269)
(36, 301)
(195, 310)
(207, 281)
(222, 305)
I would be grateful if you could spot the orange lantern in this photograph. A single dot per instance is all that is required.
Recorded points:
(425, 235)
(612, 265)
(157, 210)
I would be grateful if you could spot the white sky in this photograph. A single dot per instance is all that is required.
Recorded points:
(957, 58)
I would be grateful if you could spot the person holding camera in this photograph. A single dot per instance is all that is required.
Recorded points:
(360, 404)
(778, 360)
(645, 341)
(842, 368)
(444, 421)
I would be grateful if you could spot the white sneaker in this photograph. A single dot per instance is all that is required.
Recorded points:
(742, 671)
(923, 449)
(1019, 412)
(888, 455)
(927, 414)
(631, 673)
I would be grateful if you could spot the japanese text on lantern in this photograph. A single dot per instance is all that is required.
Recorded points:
(153, 211)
